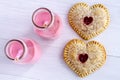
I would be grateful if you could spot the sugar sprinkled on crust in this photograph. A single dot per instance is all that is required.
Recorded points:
(96, 56)
(98, 12)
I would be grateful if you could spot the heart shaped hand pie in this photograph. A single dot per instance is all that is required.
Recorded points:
(84, 58)
(87, 21)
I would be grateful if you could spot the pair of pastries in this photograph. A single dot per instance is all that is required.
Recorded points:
(87, 21)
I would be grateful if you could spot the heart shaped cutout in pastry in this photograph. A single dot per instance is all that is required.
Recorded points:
(84, 58)
(88, 21)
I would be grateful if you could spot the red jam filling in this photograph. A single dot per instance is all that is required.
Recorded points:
(88, 20)
(83, 57)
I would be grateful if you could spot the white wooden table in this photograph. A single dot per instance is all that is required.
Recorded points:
(15, 22)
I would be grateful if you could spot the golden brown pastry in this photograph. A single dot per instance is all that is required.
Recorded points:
(88, 21)
(84, 58)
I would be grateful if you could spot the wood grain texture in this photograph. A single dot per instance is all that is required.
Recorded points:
(15, 22)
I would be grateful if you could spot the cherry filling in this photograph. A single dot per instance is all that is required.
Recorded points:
(88, 20)
(83, 57)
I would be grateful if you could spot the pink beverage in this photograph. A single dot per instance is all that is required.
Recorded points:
(47, 24)
(23, 51)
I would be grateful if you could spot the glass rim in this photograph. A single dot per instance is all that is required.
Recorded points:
(51, 22)
(7, 44)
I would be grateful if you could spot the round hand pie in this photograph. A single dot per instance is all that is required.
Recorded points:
(84, 58)
(88, 21)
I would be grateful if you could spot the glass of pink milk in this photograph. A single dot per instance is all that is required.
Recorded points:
(47, 24)
(23, 51)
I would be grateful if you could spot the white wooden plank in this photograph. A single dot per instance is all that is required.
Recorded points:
(53, 67)
(12, 77)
